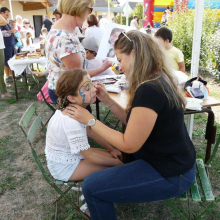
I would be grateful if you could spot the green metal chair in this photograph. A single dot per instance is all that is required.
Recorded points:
(30, 123)
(201, 190)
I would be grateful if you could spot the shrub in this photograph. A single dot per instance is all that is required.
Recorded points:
(182, 26)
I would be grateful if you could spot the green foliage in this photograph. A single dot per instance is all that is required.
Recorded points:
(182, 26)
(213, 51)
(139, 12)
(111, 4)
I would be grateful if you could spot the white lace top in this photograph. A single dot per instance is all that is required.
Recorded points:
(65, 139)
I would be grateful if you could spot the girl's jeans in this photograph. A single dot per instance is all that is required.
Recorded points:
(135, 182)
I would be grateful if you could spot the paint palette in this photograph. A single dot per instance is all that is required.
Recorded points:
(106, 81)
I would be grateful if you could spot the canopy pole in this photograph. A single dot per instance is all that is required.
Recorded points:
(197, 34)
(11, 12)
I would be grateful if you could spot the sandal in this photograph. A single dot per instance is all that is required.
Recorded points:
(84, 208)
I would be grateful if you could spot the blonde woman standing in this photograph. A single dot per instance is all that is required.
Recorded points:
(156, 137)
(63, 49)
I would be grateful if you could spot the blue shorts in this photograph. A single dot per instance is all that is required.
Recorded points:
(61, 171)
(9, 53)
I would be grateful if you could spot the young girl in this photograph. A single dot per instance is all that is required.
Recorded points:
(68, 153)
(43, 35)
(29, 39)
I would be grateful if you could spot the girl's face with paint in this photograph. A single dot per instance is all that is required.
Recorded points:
(86, 92)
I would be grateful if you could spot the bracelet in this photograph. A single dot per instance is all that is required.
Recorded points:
(109, 106)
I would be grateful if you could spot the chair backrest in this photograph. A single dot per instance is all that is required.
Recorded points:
(39, 89)
(29, 126)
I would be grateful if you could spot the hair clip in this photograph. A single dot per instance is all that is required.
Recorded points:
(63, 102)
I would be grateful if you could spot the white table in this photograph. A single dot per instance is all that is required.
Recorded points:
(19, 65)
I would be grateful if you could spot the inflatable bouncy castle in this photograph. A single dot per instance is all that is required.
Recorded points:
(154, 9)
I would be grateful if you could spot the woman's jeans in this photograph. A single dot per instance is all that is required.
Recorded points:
(53, 96)
(135, 182)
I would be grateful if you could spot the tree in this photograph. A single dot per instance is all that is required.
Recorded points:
(111, 4)
(139, 12)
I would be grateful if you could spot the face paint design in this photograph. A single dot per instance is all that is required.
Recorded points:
(84, 90)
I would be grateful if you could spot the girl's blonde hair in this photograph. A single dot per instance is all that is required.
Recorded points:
(74, 7)
(68, 84)
(28, 37)
(149, 65)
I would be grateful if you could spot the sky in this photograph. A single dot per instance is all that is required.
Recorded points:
(123, 1)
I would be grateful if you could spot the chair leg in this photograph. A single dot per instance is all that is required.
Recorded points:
(56, 212)
(60, 197)
(183, 217)
(189, 211)
(208, 209)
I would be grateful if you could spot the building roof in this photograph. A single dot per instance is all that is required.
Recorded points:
(133, 4)
(101, 3)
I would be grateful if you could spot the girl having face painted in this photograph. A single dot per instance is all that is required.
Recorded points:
(68, 153)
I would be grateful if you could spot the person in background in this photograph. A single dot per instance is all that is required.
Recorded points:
(173, 55)
(18, 45)
(113, 20)
(134, 22)
(26, 28)
(29, 39)
(103, 23)
(3, 90)
(18, 20)
(53, 20)
(47, 23)
(57, 14)
(164, 18)
(93, 29)
(91, 46)
(43, 35)
(149, 30)
(9, 41)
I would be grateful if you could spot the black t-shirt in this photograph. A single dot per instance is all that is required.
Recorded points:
(168, 148)
(47, 24)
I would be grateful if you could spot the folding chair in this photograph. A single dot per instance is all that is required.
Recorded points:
(201, 190)
(30, 123)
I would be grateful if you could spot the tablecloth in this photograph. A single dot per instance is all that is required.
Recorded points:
(19, 65)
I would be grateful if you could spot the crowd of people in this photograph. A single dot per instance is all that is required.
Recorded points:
(162, 162)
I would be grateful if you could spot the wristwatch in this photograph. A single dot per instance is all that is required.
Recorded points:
(91, 122)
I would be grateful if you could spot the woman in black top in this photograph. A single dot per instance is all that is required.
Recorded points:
(156, 135)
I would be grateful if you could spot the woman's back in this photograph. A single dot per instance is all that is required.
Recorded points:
(95, 32)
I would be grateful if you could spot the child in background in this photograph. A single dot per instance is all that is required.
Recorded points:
(68, 153)
(43, 35)
(29, 39)
(91, 47)
(17, 35)
(174, 55)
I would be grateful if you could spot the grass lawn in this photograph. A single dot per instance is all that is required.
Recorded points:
(25, 195)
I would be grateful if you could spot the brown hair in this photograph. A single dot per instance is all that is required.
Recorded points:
(56, 12)
(68, 84)
(92, 20)
(28, 36)
(149, 65)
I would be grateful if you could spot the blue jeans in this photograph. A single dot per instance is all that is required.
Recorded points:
(53, 96)
(135, 182)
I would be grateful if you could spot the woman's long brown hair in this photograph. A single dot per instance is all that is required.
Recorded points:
(149, 65)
